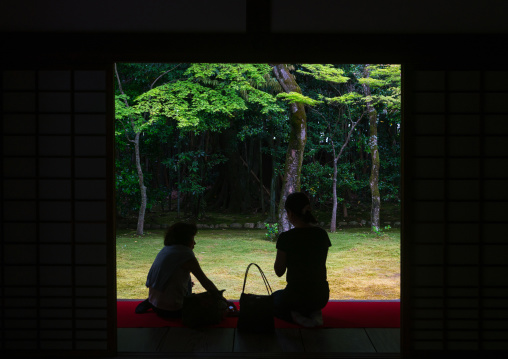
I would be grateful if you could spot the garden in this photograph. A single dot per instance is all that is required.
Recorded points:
(361, 265)
(220, 143)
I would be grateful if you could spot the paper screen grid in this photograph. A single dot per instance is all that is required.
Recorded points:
(57, 198)
(54, 210)
(457, 194)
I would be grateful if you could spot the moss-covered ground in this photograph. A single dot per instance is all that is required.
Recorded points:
(361, 265)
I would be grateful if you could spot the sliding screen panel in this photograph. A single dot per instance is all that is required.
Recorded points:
(57, 271)
(455, 190)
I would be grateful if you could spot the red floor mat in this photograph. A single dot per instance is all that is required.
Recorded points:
(369, 314)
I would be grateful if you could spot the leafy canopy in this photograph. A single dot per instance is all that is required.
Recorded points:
(328, 73)
(223, 91)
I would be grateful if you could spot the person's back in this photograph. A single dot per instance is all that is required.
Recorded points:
(306, 250)
(169, 280)
(302, 251)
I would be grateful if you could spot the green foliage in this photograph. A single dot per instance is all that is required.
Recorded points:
(193, 164)
(327, 72)
(330, 121)
(219, 91)
(184, 111)
(127, 189)
(385, 82)
(317, 181)
(272, 231)
(295, 97)
(349, 179)
(371, 82)
(350, 98)
(379, 231)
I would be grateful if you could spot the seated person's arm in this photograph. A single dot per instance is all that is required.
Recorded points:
(280, 263)
(193, 266)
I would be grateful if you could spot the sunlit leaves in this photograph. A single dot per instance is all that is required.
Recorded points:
(349, 98)
(371, 82)
(385, 82)
(326, 72)
(295, 97)
(224, 90)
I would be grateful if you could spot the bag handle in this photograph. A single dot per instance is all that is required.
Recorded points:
(267, 285)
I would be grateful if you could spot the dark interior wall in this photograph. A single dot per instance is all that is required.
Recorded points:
(57, 241)
(288, 16)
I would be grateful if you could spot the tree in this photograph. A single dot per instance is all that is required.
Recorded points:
(210, 98)
(334, 75)
(297, 137)
(215, 136)
(374, 151)
(378, 76)
(138, 124)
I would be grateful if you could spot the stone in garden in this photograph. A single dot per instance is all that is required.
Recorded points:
(248, 225)
(396, 224)
(235, 225)
(260, 225)
(201, 225)
(353, 223)
(223, 225)
(342, 223)
(363, 222)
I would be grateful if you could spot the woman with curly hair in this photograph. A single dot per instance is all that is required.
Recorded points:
(169, 280)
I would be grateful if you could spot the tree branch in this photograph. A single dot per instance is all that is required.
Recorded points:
(157, 79)
(254, 175)
(125, 100)
(125, 133)
(348, 137)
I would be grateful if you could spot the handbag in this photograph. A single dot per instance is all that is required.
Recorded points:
(205, 308)
(256, 311)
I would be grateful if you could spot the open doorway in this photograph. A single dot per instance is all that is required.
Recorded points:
(209, 142)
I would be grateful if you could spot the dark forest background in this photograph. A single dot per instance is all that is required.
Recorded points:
(197, 139)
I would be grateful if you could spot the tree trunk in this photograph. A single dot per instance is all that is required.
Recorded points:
(273, 181)
(137, 156)
(374, 173)
(261, 187)
(296, 145)
(333, 222)
(142, 187)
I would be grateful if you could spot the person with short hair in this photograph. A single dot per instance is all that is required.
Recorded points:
(169, 280)
(302, 253)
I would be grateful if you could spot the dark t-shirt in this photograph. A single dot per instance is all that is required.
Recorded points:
(306, 250)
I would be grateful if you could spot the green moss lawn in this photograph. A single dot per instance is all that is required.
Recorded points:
(360, 265)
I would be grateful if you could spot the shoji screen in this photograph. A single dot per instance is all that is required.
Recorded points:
(456, 185)
(57, 211)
